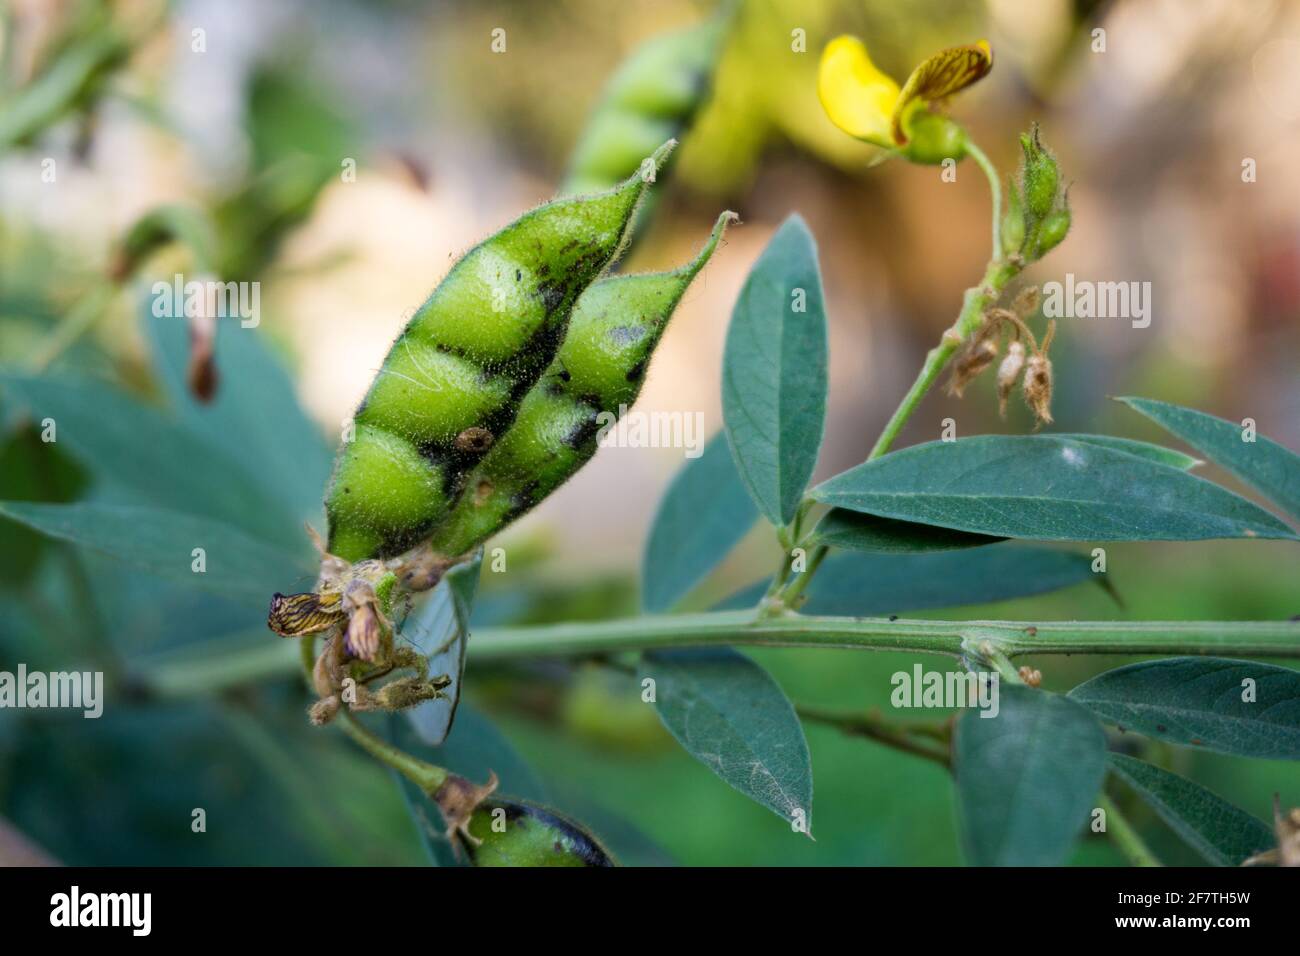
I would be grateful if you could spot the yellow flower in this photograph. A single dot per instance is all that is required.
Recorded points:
(870, 106)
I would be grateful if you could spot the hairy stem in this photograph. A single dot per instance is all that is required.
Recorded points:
(1012, 638)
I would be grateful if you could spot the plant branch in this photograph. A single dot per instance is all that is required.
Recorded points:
(996, 276)
(1012, 638)
(995, 189)
(1122, 834)
(873, 726)
(997, 273)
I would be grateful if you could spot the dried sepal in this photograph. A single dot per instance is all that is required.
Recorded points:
(1038, 388)
(1009, 373)
(977, 356)
(457, 799)
(1026, 301)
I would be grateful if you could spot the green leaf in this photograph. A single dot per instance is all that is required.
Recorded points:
(702, 516)
(1027, 778)
(1157, 453)
(1047, 488)
(840, 528)
(774, 373)
(1221, 832)
(438, 627)
(863, 585)
(255, 416)
(31, 470)
(162, 543)
(165, 464)
(1262, 463)
(1198, 701)
(731, 716)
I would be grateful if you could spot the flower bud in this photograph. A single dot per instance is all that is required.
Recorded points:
(1053, 229)
(1013, 222)
(1041, 175)
(1009, 373)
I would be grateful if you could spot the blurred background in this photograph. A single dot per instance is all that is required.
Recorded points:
(259, 113)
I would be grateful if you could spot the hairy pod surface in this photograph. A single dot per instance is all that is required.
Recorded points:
(596, 374)
(652, 96)
(454, 377)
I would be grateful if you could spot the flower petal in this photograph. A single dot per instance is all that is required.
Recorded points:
(940, 76)
(857, 97)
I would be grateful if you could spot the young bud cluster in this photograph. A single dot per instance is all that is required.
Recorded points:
(1038, 207)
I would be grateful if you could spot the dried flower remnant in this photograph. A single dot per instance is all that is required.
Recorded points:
(1037, 387)
(1009, 373)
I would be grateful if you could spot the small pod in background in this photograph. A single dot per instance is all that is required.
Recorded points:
(655, 94)
(595, 376)
(454, 377)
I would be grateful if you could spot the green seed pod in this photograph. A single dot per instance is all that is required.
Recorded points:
(1042, 175)
(934, 138)
(521, 834)
(597, 373)
(654, 95)
(453, 378)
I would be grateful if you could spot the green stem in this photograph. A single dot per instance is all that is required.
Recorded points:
(996, 276)
(797, 586)
(75, 322)
(1012, 638)
(1126, 838)
(185, 677)
(874, 727)
(426, 776)
(997, 273)
(995, 188)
